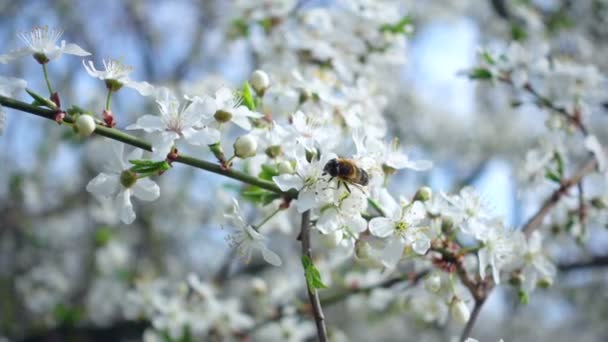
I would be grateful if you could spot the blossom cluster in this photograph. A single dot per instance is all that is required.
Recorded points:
(310, 124)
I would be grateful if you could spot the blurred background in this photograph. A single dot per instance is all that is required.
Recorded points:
(55, 240)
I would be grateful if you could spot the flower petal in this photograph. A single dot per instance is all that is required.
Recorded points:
(146, 190)
(271, 257)
(104, 185)
(205, 136)
(14, 54)
(392, 253)
(148, 123)
(306, 200)
(127, 215)
(74, 49)
(143, 88)
(288, 181)
(381, 227)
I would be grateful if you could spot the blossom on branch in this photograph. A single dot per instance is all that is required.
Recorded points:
(120, 183)
(41, 43)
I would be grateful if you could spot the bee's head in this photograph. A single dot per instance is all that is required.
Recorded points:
(331, 167)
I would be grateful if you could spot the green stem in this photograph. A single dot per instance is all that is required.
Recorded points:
(118, 135)
(377, 206)
(46, 78)
(109, 99)
(265, 220)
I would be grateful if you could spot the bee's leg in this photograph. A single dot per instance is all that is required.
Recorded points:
(347, 188)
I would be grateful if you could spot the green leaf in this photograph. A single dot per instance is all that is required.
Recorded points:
(149, 166)
(258, 195)
(403, 26)
(560, 164)
(487, 57)
(312, 275)
(480, 74)
(66, 315)
(518, 33)
(523, 297)
(248, 96)
(268, 171)
(240, 28)
(551, 175)
(266, 24)
(103, 236)
(39, 100)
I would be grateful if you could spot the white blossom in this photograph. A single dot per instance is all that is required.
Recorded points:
(177, 122)
(119, 183)
(247, 239)
(41, 43)
(116, 75)
(402, 227)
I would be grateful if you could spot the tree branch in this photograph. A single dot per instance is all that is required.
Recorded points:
(118, 135)
(313, 295)
(598, 261)
(474, 315)
(535, 221)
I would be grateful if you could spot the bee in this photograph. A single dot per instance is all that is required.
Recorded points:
(346, 171)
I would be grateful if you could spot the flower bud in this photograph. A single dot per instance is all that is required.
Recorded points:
(285, 167)
(423, 194)
(460, 311)
(245, 146)
(598, 203)
(222, 116)
(433, 282)
(259, 81)
(259, 287)
(128, 178)
(273, 151)
(447, 225)
(85, 125)
(545, 283)
(516, 279)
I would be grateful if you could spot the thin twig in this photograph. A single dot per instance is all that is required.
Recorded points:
(118, 135)
(535, 221)
(474, 314)
(598, 261)
(313, 295)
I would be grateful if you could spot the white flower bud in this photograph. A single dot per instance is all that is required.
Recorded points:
(285, 167)
(433, 282)
(259, 81)
(85, 124)
(259, 287)
(245, 146)
(460, 311)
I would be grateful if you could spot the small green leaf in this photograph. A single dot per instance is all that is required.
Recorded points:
(66, 315)
(523, 297)
(480, 74)
(403, 26)
(240, 28)
(266, 24)
(560, 164)
(248, 96)
(550, 175)
(149, 166)
(258, 195)
(487, 57)
(103, 236)
(518, 33)
(312, 275)
(268, 171)
(39, 100)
